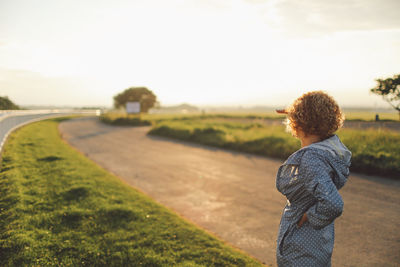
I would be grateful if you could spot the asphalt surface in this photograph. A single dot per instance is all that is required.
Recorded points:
(233, 195)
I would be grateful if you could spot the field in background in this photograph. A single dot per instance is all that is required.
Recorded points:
(58, 208)
(370, 116)
(350, 115)
(376, 150)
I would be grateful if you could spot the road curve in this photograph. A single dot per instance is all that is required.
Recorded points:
(233, 194)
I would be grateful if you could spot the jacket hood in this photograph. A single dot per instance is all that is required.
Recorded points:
(338, 156)
(335, 147)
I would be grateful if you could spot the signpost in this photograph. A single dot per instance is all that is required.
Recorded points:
(133, 107)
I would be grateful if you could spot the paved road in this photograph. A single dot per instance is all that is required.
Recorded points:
(233, 194)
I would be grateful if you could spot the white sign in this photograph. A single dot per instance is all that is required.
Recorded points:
(133, 107)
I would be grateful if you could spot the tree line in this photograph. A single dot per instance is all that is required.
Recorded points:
(7, 104)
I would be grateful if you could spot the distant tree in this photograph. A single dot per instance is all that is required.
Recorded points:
(144, 96)
(389, 89)
(6, 103)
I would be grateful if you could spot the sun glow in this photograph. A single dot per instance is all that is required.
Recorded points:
(201, 52)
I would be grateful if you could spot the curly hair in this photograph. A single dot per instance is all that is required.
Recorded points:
(314, 113)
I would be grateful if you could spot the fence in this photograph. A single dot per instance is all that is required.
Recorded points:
(12, 119)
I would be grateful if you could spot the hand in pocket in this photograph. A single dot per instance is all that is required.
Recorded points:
(302, 220)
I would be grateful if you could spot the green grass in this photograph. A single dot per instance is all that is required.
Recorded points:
(247, 137)
(375, 151)
(113, 117)
(58, 208)
(124, 120)
(370, 116)
(120, 118)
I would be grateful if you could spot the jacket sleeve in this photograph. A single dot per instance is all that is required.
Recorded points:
(318, 182)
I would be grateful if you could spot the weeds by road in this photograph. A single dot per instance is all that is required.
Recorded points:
(59, 208)
(374, 151)
(114, 117)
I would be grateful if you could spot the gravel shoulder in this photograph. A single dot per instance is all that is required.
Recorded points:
(233, 194)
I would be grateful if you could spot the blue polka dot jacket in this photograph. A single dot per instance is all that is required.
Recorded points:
(310, 179)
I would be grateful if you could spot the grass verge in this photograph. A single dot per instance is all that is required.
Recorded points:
(59, 208)
(252, 137)
(121, 118)
(375, 151)
(124, 120)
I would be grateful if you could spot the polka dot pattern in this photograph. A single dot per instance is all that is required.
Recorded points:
(310, 180)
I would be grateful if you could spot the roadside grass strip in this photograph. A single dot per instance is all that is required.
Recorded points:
(375, 151)
(121, 118)
(58, 208)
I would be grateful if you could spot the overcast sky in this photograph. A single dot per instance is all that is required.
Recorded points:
(203, 52)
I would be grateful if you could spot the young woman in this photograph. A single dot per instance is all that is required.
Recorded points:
(310, 179)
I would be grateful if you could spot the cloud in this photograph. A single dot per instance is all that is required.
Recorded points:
(314, 17)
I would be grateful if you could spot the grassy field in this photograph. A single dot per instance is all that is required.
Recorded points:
(58, 208)
(120, 118)
(370, 116)
(375, 151)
